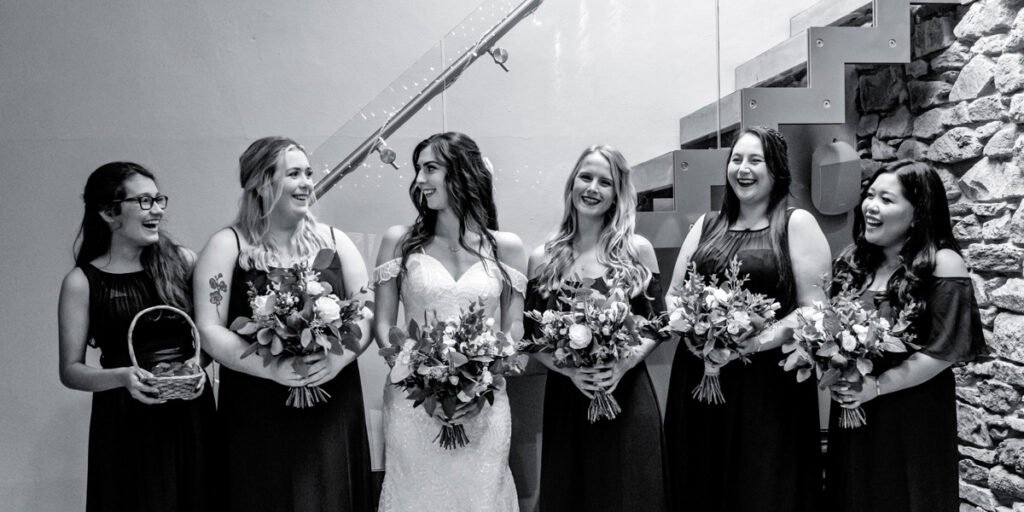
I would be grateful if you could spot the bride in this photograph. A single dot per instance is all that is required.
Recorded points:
(452, 255)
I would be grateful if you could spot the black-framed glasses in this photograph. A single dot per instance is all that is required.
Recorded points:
(146, 202)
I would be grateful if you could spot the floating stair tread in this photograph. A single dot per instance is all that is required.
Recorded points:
(702, 122)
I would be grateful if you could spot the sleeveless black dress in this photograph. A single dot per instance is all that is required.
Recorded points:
(905, 458)
(760, 450)
(611, 465)
(278, 457)
(144, 457)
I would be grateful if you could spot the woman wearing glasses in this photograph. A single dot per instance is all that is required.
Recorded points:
(144, 453)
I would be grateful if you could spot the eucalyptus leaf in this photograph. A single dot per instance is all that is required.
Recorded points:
(829, 378)
(253, 347)
(276, 346)
(265, 336)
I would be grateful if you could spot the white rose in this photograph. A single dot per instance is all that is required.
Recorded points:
(489, 322)
(548, 317)
(314, 288)
(327, 309)
(264, 304)
(367, 313)
(579, 336)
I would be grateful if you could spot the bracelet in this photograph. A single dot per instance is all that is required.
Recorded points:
(878, 388)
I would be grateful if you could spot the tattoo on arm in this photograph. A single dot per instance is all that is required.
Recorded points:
(219, 288)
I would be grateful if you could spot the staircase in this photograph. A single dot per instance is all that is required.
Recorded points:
(817, 51)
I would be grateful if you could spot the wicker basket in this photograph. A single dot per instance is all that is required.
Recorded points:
(172, 387)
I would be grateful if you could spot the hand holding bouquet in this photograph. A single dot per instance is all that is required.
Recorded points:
(297, 315)
(840, 340)
(456, 364)
(714, 322)
(596, 330)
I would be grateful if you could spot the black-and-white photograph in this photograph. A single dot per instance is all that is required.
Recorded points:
(512, 255)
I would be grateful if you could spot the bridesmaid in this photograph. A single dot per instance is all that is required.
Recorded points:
(760, 449)
(279, 457)
(145, 453)
(609, 465)
(905, 459)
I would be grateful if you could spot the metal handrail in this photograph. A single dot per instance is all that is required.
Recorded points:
(431, 90)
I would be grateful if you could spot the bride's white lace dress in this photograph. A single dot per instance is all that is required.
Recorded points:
(419, 474)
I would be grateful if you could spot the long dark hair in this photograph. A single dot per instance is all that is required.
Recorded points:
(163, 261)
(470, 189)
(929, 232)
(776, 157)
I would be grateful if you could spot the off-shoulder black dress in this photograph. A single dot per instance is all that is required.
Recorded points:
(905, 458)
(611, 465)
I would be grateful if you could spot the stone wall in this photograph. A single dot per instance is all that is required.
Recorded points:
(960, 105)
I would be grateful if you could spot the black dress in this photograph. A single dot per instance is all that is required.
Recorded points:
(144, 457)
(278, 457)
(611, 465)
(905, 458)
(760, 450)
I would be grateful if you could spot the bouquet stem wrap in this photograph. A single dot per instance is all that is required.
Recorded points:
(710, 389)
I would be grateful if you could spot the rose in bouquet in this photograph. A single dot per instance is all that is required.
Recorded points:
(456, 364)
(594, 330)
(839, 341)
(715, 320)
(297, 315)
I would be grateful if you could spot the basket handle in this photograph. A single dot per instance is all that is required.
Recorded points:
(131, 328)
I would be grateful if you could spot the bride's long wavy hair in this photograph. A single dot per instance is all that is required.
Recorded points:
(261, 169)
(470, 188)
(617, 252)
(929, 233)
(162, 262)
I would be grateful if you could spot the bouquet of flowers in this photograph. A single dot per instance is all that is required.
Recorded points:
(596, 329)
(714, 320)
(297, 315)
(459, 361)
(840, 340)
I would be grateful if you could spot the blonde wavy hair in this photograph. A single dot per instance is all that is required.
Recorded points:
(262, 168)
(617, 252)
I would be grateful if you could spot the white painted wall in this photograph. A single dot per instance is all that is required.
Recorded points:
(184, 86)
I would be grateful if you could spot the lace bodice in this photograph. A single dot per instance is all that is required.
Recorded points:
(428, 287)
(420, 475)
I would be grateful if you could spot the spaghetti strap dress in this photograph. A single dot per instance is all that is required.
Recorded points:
(278, 457)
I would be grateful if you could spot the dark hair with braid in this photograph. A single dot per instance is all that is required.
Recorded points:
(776, 159)
(929, 232)
(470, 190)
(163, 261)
